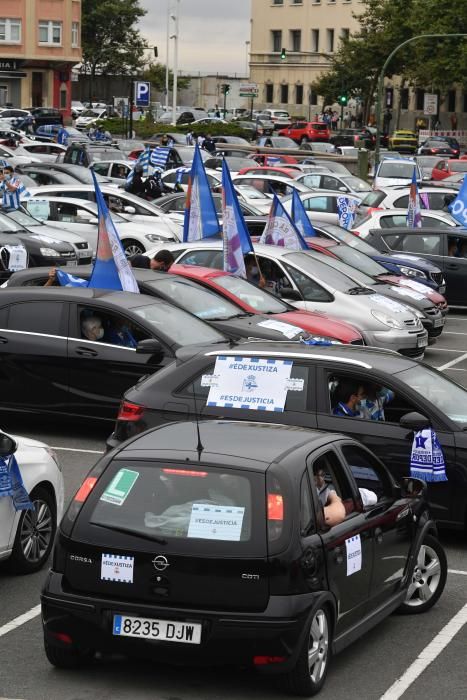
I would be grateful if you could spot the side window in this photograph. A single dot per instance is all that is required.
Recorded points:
(312, 180)
(43, 317)
(328, 475)
(330, 183)
(461, 245)
(316, 204)
(67, 213)
(402, 202)
(392, 221)
(431, 222)
(415, 243)
(100, 168)
(306, 507)
(367, 472)
(309, 289)
(204, 258)
(108, 328)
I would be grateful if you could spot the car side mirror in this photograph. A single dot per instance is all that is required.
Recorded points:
(150, 346)
(414, 421)
(129, 210)
(411, 487)
(8, 446)
(290, 294)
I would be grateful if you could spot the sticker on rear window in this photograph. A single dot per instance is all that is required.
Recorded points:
(120, 486)
(353, 548)
(212, 522)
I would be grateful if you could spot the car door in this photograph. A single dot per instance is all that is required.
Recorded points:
(455, 267)
(348, 546)
(322, 207)
(33, 351)
(101, 371)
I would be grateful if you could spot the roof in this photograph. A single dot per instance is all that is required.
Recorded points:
(126, 300)
(448, 231)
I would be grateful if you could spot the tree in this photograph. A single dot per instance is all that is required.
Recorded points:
(111, 42)
(155, 73)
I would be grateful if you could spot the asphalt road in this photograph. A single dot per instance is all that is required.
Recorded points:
(405, 657)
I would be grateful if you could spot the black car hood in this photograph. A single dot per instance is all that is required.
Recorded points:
(253, 327)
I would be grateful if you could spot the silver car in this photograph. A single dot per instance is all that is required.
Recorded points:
(314, 286)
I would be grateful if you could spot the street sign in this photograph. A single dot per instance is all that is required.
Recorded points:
(248, 90)
(430, 104)
(142, 93)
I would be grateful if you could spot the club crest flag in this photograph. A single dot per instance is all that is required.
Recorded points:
(237, 241)
(300, 217)
(200, 212)
(280, 229)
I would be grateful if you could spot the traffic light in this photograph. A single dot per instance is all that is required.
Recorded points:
(225, 88)
(156, 52)
(342, 100)
(283, 54)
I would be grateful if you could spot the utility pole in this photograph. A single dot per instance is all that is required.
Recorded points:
(175, 69)
(167, 59)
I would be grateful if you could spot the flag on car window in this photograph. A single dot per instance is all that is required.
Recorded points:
(200, 212)
(458, 208)
(347, 211)
(300, 217)
(414, 217)
(280, 229)
(160, 156)
(143, 159)
(427, 459)
(62, 136)
(237, 241)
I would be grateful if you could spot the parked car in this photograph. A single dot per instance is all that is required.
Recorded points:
(450, 140)
(358, 138)
(44, 152)
(434, 147)
(114, 170)
(77, 108)
(180, 177)
(395, 218)
(391, 172)
(90, 118)
(60, 174)
(46, 115)
(446, 167)
(397, 197)
(175, 204)
(288, 623)
(348, 184)
(321, 205)
(257, 128)
(9, 154)
(235, 163)
(87, 153)
(306, 132)
(404, 141)
(426, 165)
(279, 117)
(278, 142)
(267, 184)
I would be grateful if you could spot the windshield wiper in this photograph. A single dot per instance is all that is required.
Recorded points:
(128, 531)
(359, 290)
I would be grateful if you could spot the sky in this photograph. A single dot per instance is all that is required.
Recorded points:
(212, 34)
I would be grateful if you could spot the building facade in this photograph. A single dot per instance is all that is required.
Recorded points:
(40, 41)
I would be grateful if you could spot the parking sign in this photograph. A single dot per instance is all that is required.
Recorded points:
(142, 93)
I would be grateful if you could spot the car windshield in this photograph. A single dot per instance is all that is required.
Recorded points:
(106, 155)
(253, 296)
(355, 273)
(359, 261)
(400, 169)
(349, 239)
(356, 184)
(458, 166)
(320, 271)
(7, 224)
(180, 327)
(447, 396)
(203, 303)
(23, 219)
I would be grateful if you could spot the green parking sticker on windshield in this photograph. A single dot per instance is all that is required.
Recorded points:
(120, 486)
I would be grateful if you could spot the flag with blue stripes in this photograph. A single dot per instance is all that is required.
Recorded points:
(200, 211)
(67, 280)
(301, 218)
(414, 216)
(160, 156)
(235, 235)
(143, 159)
(458, 208)
(11, 198)
(280, 229)
(62, 136)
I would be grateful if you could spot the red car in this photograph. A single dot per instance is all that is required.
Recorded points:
(285, 171)
(273, 159)
(305, 132)
(254, 300)
(444, 168)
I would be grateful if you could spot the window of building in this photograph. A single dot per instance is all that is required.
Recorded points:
(284, 94)
(277, 2)
(297, 2)
(464, 102)
(313, 97)
(296, 40)
(269, 93)
(276, 37)
(63, 98)
(50, 32)
(345, 33)
(419, 97)
(299, 94)
(330, 40)
(10, 30)
(451, 100)
(75, 33)
(315, 40)
(405, 98)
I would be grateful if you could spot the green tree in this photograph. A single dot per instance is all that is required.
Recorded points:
(155, 74)
(111, 42)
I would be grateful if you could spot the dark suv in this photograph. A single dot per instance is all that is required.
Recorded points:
(46, 115)
(362, 138)
(217, 549)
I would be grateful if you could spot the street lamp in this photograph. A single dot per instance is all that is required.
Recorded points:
(379, 94)
(175, 70)
(247, 51)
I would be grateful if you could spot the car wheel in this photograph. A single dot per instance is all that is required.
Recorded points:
(304, 140)
(309, 674)
(428, 578)
(132, 247)
(66, 657)
(35, 534)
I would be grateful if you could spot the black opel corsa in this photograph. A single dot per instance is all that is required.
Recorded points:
(208, 543)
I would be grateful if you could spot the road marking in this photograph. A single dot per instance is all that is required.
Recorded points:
(435, 348)
(457, 571)
(20, 620)
(427, 656)
(453, 333)
(75, 449)
(453, 362)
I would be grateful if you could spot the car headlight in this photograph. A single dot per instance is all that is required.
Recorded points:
(387, 320)
(410, 272)
(49, 252)
(154, 238)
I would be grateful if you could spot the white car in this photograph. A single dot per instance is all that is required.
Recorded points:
(114, 170)
(80, 216)
(127, 205)
(169, 178)
(396, 171)
(433, 198)
(321, 205)
(348, 184)
(44, 152)
(267, 184)
(393, 218)
(77, 108)
(9, 154)
(27, 536)
(90, 117)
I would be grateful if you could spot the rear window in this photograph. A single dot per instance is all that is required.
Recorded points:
(373, 199)
(191, 505)
(396, 170)
(319, 127)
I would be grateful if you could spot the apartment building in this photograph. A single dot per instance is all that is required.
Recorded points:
(40, 41)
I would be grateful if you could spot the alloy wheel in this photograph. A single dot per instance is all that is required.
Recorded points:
(318, 646)
(426, 577)
(36, 531)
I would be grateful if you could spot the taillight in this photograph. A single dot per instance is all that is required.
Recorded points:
(275, 506)
(81, 497)
(130, 411)
(372, 209)
(85, 489)
(357, 233)
(184, 472)
(266, 660)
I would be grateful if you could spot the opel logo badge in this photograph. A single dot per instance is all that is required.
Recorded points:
(160, 563)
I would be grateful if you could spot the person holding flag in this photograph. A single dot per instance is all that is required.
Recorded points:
(237, 241)
(300, 217)
(200, 212)
(11, 188)
(280, 229)
(414, 216)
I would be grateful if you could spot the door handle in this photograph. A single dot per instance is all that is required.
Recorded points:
(3, 340)
(86, 352)
(338, 556)
(378, 535)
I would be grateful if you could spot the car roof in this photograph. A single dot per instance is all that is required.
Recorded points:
(126, 300)
(451, 231)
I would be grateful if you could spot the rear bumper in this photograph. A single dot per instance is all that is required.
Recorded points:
(226, 638)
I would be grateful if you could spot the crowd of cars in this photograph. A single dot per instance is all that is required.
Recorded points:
(200, 534)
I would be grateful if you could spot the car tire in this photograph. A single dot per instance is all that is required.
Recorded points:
(132, 247)
(309, 674)
(35, 534)
(428, 578)
(66, 657)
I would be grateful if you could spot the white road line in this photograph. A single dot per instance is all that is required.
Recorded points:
(20, 620)
(453, 333)
(435, 348)
(75, 449)
(457, 571)
(453, 362)
(427, 655)
(455, 369)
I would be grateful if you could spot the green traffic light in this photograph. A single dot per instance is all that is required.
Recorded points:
(283, 55)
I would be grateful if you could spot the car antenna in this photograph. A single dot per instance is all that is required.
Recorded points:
(199, 446)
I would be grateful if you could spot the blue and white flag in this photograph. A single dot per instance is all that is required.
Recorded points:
(427, 458)
(11, 484)
(160, 156)
(280, 229)
(458, 208)
(200, 211)
(67, 280)
(347, 210)
(414, 216)
(179, 173)
(62, 136)
(11, 198)
(237, 241)
(301, 218)
(143, 159)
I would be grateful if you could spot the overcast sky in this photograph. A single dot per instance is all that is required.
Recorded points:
(212, 33)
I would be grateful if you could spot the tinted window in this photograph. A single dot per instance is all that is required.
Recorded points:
(36, 317)
(204, 258)
(366, 471)
(416, 243)
(335, 479)
(180, 327)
